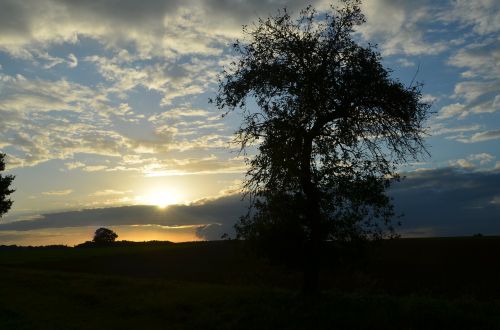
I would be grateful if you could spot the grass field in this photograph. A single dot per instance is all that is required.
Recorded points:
(444, 283)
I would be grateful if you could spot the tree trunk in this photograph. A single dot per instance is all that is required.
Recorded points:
(310, 284)
(313, 214)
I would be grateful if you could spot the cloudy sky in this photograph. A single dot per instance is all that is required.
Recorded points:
(104, 109)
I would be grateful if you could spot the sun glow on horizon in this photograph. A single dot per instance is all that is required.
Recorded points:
(160, 198)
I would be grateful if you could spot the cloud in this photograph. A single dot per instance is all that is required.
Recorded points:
(73, 165)
(482, 15)
(94, 168)
(462, 163)
(222, 212)
(72, 61)
(479, 58)
(44, 120)
(406, 63)
(54, 119)
(400, 26)
(51, 61)
(480, 96)
(423, 27)
(201, 165)
(482, 136)
(108, 192)
(58, 119)
(450, 201)
(171, 28)
(174, 48)
(154, 61)
(452, 110)
(479, 93)
(155, 28)
(440, 129)
(445, 201)
(172, 77)
(58, 192)
(23, 95)
(27, 24)
(473, 161)
(178, 113)
(483, 158)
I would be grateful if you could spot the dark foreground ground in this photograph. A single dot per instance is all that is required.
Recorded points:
(447, 283)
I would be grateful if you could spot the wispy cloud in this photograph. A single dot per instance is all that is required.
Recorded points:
(109, 192)
(58, 192)
(482, 136)
(399, 26)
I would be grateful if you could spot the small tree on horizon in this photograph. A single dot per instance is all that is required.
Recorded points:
(5, 191)
(330, 127)
(104, 235)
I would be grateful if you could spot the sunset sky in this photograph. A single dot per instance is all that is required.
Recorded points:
(104, 109)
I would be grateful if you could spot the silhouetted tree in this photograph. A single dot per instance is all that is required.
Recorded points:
(5, 191)
(104, 235)
(330, 127)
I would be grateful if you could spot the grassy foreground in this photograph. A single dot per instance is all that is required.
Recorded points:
(216, 286)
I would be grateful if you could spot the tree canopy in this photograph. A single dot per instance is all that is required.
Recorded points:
(5, 190)
(104, 235)
(329, 124)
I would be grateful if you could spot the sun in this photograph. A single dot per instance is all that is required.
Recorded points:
(160, 198)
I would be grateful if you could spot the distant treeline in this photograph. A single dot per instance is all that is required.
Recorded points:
(87, 244)
(17, 247)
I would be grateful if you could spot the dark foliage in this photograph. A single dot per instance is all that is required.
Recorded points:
(331, 127)
(91, 244)
(5, 191)
(104, 236)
